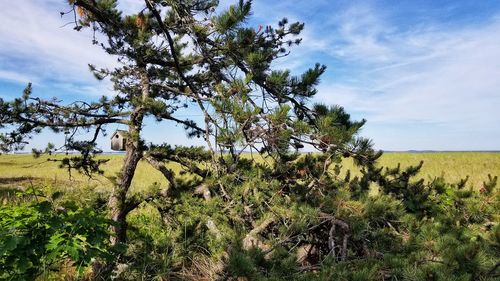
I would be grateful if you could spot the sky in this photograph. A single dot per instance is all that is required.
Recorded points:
(425, 74)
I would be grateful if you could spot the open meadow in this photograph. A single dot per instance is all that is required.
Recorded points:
(237, 146)
(24, 170)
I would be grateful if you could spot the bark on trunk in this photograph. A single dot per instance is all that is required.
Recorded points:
(134, 152)
(117, 201)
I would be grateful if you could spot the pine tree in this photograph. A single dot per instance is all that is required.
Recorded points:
(178, 54)
(290, 216)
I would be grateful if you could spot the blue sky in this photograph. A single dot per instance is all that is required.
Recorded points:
(425, 74)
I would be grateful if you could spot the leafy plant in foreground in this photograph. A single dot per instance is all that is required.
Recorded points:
(36, 238)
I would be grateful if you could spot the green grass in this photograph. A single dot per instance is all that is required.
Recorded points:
(22, 170)
(452, 165)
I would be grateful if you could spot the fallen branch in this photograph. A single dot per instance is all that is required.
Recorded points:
(213, 229)
(133, 203)
(167, 173)
(331, 238)
(251, 240)
(203, 191)
(492, 270)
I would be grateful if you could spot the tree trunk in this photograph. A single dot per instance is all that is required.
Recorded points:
(134, 152)
(117, 201)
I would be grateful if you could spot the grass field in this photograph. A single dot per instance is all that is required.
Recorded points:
(452, 165)
(22, 170)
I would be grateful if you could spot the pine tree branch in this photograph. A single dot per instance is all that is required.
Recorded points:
(493, 269)
(133, 203)
(203, 190)
(171, 43)
(167, 173)
(92, 8)
(69, 124)
(251, 239)
(184, 122)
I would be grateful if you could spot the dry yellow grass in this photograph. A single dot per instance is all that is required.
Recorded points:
(452, 165)
(19, 170)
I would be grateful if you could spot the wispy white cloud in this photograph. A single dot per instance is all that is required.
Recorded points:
(437, 79)
(427, 85)
(35, 46)
(433, 75)
(456, 68)
(14, 76)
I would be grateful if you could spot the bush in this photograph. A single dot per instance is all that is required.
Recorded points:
(37, 238)
(261, 223)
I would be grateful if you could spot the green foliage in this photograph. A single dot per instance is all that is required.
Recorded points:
(453, 234)
(234, 16)
(289, 216)
(38, 237)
